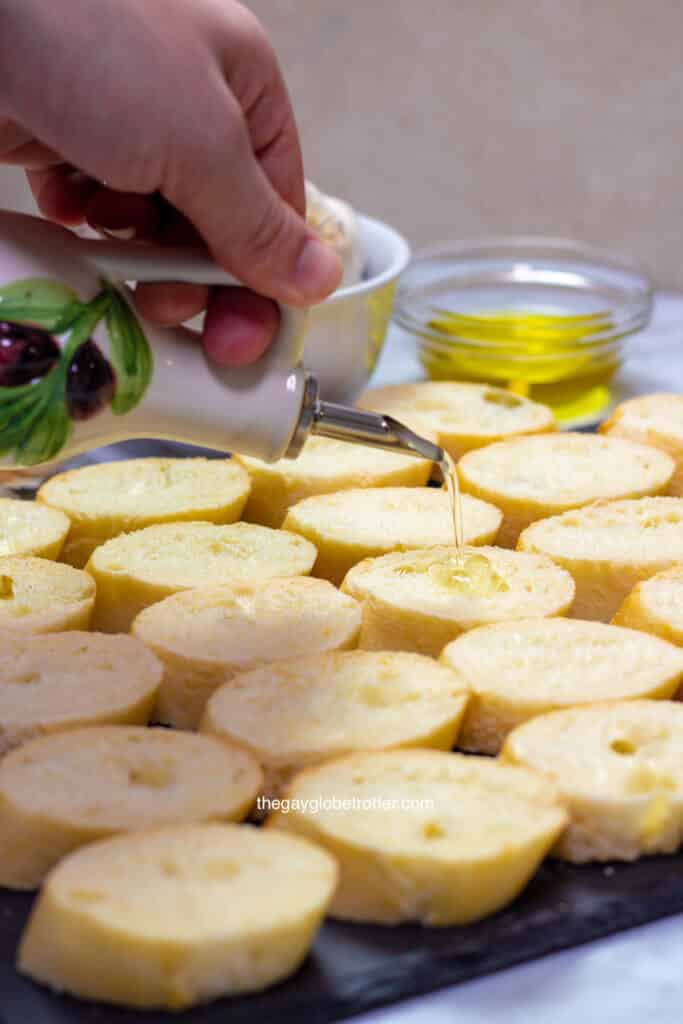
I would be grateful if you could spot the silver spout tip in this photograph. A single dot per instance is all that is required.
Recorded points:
(412, 442)
(346, 423)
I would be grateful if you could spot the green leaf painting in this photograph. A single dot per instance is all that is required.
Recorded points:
(130, 354)
(48, 304)
(44, 386)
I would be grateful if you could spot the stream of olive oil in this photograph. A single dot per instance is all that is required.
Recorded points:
(449, 476)
(467, 572)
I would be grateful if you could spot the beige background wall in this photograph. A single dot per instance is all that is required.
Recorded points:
(459, 118)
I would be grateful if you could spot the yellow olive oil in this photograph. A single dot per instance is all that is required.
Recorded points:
(466, 571)
(564, 361)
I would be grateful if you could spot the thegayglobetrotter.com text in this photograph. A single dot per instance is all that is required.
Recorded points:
(315, 805)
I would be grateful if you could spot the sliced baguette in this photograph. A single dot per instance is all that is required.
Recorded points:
(177, 916)
(656, 606)
(530, 478)
(409, 604)
(297, 713)
(52, 682)
(137, 569)
(352, 525)
(610, 547)
(62, 791)
(41, 596)
(518, 670)
(107, 499)
(461, 416)
(325, 466)
(423, 835)
(656, 420)
(619, 768)
(28, 528)
(204, 637)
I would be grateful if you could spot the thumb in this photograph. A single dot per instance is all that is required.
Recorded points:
(219, 184)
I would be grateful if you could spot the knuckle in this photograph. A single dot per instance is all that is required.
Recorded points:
(270, 235)
(253, 35)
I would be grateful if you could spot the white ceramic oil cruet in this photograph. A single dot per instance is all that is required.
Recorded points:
(80, 369)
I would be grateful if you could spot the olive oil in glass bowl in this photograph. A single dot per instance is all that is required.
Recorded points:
(544, 318)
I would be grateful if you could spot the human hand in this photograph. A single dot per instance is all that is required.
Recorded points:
(167, 120)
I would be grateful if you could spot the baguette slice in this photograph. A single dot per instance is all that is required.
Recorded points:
(110, 498)
(610, 547)
(298, 713)
(461, 416)
(518, 670)
(52, 682)
(41, 596)
(352, 525)
(530, 478)
(27, 528)
(422, 835)
(656, 606)
(62, 791)
(325, 466)
(204, 637)
(177, 916)
(620, 770)
(656, 420)
(137, 569)
(412, 603)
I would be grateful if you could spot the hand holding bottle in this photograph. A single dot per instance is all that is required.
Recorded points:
(164, 120)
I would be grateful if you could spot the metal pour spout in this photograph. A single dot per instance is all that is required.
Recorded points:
(346, 423)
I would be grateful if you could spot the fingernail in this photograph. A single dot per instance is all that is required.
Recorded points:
(318, 270)
(125, 234)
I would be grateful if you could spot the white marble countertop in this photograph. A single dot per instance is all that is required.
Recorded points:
(633, 977)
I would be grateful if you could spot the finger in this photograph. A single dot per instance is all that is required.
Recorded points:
(216, 180)
(169, 304)
(239, 326)
(62, 193)
(124, 215)
(214, 176)
(270, 121)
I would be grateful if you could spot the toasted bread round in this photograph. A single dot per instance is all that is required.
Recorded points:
(422, 835)
(619, 768)
(176, 916)
(412, 601)
(656, 606)
(137, 569)
(27, 528)
(60, 792)
(610, 547)
(41, 596)
(110, 498)
(297, 713)
(206, 636)
(51, 682)
(325, 466)
(518, 670)
(352, 525)
(656, 420)
(530, 478)
(461, 416)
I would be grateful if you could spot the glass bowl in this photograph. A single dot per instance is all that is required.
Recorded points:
(546, 318)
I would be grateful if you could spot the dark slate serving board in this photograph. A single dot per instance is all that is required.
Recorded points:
(355, 968)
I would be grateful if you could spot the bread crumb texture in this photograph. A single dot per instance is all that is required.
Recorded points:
(619, 768)
(518, 670)
(423, 835)
(172, 917)
(110, 498)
